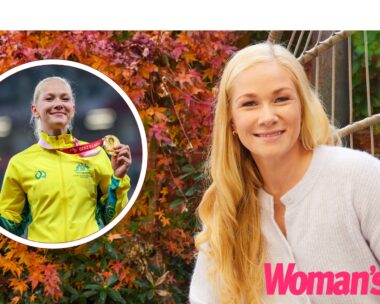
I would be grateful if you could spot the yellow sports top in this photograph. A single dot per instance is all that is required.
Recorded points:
(51, 196)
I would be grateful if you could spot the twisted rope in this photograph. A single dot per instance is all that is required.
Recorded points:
(275, 37)
(359, 125)
(323, 46)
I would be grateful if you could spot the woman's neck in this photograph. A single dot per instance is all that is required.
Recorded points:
(280, 175)
(54, 132)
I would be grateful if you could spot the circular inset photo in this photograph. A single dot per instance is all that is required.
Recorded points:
(73, 154)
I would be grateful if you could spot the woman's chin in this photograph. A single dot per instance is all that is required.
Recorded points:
(57, 128)
(268, 153)
(58, 123)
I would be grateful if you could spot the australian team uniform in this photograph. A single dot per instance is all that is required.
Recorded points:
(52, 196)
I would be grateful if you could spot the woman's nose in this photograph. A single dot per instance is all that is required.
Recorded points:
(267, 115)
(58, 103)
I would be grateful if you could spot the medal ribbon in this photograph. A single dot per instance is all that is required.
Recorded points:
(85, 150)
(78, 149)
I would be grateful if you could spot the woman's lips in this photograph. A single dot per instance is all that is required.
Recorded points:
(58, 113)
(269, 134)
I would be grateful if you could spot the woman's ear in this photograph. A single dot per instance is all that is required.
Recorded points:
(232, 125)
(34, 111)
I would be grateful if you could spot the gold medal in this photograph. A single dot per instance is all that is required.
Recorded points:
(109, 144)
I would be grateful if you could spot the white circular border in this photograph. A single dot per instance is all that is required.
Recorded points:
(140, 182)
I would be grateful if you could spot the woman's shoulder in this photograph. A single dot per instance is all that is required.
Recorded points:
(342, 158)
(26, 154)
(345, 154)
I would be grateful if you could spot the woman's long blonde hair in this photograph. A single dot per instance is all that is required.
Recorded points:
(230, 210)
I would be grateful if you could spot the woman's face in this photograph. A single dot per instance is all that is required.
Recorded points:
(266, 111)
(54, 107)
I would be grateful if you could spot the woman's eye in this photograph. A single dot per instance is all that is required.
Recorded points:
(282, 99)
(249, 104)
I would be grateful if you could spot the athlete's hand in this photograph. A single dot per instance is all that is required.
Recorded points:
(121, 161)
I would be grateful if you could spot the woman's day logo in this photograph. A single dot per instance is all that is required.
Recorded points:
(320, 283)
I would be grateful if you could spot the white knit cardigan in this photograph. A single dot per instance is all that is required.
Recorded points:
(332, 222)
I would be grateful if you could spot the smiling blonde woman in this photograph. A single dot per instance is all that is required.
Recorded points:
(281, 191)
(51, 192)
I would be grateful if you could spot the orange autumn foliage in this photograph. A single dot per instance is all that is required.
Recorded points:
(170, 76)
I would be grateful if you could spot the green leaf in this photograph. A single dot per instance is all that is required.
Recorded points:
(176, 203)
(187, 168)
(122, 36)
(139, 283)
(150, 294)
(93, 286)
(142, 297)
(73, 298)
(66, 275)
(190, 191)
(71, 290)
(183, 176)
(102, 298)
(111, 250)
(99, 277)
(82, 258)
(198, 176)
(89, 293)
(116, 296)
(94, 248)
(112, 280)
